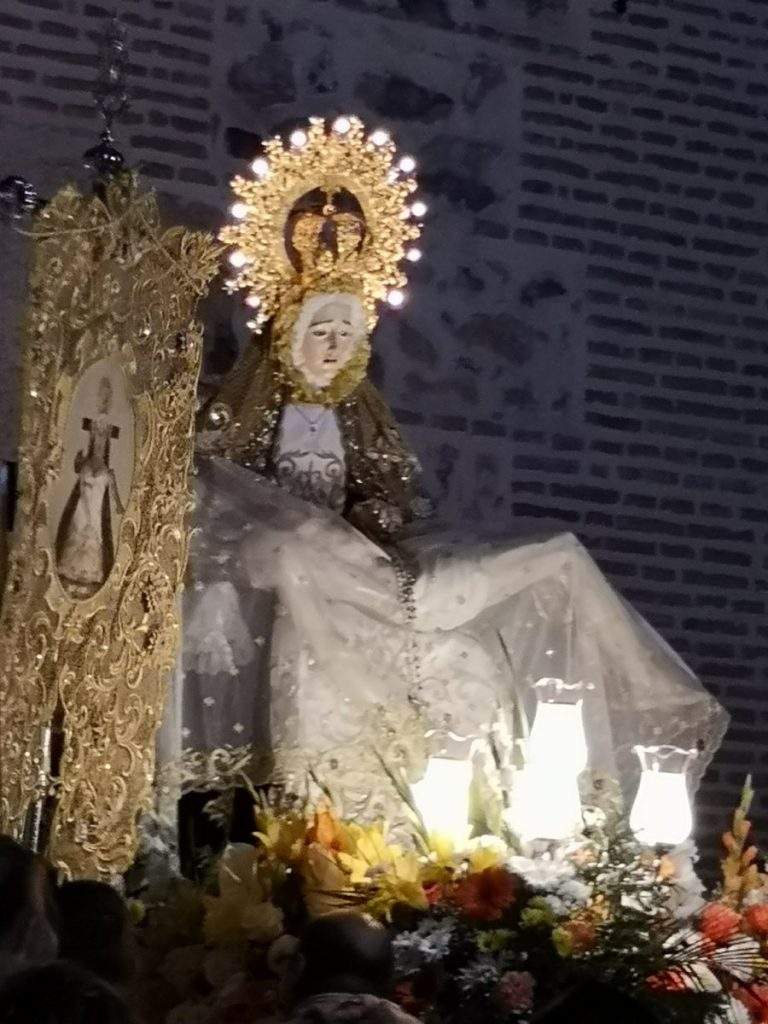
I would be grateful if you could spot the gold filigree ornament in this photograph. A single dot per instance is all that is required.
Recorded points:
(89, 624)
(330, 209)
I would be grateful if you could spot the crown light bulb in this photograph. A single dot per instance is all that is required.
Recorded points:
(239, 210)
(260, 167)
(396, 298)
(413, 255)
(407, 165)
(342, 125)
(379, 137)
(238, 258)
(419, 208)
(253, 301)
(299, 138)
(252, 325)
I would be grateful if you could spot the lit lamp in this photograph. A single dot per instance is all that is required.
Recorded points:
(547, 804)
(557, 736)
(661, 814)
(442, 797)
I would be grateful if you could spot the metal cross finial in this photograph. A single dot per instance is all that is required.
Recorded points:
(110, 95)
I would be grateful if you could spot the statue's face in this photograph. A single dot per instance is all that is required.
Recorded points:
(329, 339)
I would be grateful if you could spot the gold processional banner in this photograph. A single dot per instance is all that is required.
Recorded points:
(89, 626)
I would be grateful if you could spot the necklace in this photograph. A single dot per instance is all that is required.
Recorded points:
(312, 424)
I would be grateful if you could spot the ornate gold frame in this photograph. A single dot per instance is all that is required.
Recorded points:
(106, 282)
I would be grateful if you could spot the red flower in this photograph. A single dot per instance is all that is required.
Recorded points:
(433, 893)
(756, 920)
(755, 998)
(485, 895)
(672, 980)
(719, 923)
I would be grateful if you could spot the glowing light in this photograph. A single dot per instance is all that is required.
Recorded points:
(557, 737)
(545, 803)
(252, 325)
(396, 298)
(414, 255)
(379, 137)
(661, 814)
(442, 798)
(239, 210)
(342, 125)
(407, 165)
(230, 284)
(299, 138)
(253, 301)
(238, 258)
(419, 209)
(260, 167)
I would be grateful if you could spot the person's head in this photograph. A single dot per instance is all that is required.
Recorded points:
(327, 331)
(27, 911)
(344, 951)
(60, 993)
(95, 930)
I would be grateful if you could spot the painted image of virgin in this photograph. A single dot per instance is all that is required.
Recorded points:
(85, 541)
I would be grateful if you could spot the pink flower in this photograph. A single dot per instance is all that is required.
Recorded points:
(515, 991)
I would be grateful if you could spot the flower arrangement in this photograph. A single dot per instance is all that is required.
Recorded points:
(480, 933)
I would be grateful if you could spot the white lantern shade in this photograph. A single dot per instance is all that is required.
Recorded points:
(442, 798)
(661, 814)
(557, 737)
(546, 804)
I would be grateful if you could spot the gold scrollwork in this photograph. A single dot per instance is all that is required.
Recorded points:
(89, 624)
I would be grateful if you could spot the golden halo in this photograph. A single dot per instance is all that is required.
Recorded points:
(329, 157)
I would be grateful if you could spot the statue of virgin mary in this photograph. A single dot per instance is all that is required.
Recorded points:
(324, 629)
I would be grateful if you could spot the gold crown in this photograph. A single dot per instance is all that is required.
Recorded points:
(331, 208)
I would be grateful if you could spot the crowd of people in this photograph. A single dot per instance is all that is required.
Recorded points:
(68, 956)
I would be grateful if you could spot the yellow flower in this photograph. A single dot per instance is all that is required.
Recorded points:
(283, 838)
(486, 852)
(442, 850)
(399, 883)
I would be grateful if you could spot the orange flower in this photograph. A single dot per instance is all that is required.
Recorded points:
(756, 920)
(485, 895)
(583, 934)
(327, 831)
(719, 923)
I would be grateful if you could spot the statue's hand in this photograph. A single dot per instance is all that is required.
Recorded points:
(376, 518)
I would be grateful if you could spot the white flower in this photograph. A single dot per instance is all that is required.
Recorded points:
(756, 897)
(480, 974)
(428, 944)
(542, 872)
(735, 1013)
(687, 892)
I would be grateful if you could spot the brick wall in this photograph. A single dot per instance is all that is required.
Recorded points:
(585, 346)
